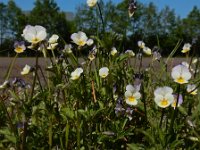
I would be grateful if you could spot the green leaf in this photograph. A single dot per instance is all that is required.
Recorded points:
(122, 58)
(67, 112)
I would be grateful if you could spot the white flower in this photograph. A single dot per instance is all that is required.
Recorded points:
(90, 42)
(130, 53)
(132, 95)
(186, 48)
(34, 34)
(181, 74)
(163, 96)
(79, 38)
(185, 64)
(91, 56)
(76, 73)
(52, 46)
(192, 89)
(147, 50)
(141, 44)
(156, 56)
(103, 72)
(68, 48)
(4, 85)
(19, 47)
(91, 3)
(180, 100)
(113, 51)
(53, 39)
(26, 70)
(194, 61)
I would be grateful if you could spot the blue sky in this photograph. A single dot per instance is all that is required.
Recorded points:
(181, 7)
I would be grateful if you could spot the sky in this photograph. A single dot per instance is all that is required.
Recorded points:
(181, 7)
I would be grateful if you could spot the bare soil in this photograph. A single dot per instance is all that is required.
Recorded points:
(21, 62)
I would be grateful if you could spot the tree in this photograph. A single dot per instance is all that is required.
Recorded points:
(16, 19)
(46, 13)
(12, 22)
(3, 21)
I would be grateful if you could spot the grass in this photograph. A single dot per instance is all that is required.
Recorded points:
(63, 103)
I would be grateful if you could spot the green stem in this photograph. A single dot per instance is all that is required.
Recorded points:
(35, 75)
(78, 133)
(10, 68)
(101, 16)
(161, 118)
(39, 81)
(66, 135)
(12, 127)
(175, 112)
(50, 133)
(24, 136)
(43, 75)
(144, 98)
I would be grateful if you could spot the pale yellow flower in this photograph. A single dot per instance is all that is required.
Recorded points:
(76, 73)
(113, 51)
(163, 96)
(147, 50)
(130, 53)
(79, 38)
(52, 46)
(141, 44)
(53, 39)
(90, 42)
(68, 48)
(26, 70)
(186, 48)
(194, 61)
(103, 72)
(34, 34)
(192, 89)
(91, 56)
(91, 3)
(132, 95)
(181, 74)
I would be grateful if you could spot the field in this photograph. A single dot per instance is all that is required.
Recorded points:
(104, 99)
(21, 62)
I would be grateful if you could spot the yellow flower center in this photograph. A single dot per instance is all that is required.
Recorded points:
(174, 104)
(19, 50)
(103, 75)
(81, 43)
(35, 40)
(185, 50)
(194, 92)
(164, 102)
(180, 80)
(131, 98)
(75, 77)
(91, 57)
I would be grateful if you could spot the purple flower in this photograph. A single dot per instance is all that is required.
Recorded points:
(156, 55)
(180, 100)
(19, 82)
(19, 46)
(129, 112)
(119, 109)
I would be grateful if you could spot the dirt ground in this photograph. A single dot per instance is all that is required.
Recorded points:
(21, 62)
(18, 66)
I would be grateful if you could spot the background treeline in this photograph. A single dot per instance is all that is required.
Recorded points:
(156, 28)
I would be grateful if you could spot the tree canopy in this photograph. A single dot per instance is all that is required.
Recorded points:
(162, 28)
